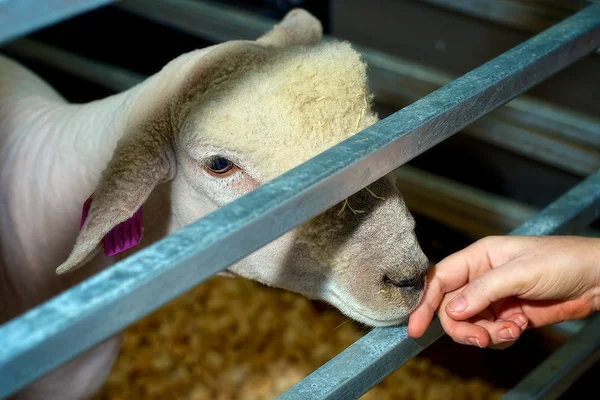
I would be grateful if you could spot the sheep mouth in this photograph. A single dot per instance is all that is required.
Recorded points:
(360, 316)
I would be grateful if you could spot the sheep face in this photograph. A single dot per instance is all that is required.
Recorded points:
(361, 255)
(219, 122)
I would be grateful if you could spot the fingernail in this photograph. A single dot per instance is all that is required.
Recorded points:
(521, 321)
(475, 342)
(458, 304)
(506, 334)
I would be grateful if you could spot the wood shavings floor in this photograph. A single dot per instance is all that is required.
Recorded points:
(231, 338)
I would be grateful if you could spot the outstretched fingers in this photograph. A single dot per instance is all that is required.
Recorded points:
(421, 317)
(448, 275)
(496, 284)
(503, 333)
(485, 329)
(464, 285)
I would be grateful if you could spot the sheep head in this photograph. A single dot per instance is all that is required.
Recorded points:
(219, 122)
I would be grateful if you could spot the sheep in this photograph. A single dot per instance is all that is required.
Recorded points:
(208, 128)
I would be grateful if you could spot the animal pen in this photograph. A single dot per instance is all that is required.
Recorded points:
(54, 332)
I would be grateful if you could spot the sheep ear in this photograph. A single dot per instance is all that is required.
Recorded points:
(145, 156)
(298, 27)
(141, 160)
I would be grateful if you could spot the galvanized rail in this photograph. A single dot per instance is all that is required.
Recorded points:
(68, 324)
(469, 210)
(384, 350)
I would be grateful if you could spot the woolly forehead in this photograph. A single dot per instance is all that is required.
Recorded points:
(298, 103)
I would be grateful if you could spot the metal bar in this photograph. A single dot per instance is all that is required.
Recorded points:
(559, 371)
(571, 140)
(108, 302)
(343, 377)
(21, 17)
(462, 207)
(467, 209)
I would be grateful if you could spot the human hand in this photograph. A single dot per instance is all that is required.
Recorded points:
(490, 292)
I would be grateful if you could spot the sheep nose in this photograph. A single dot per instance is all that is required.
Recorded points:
(412, 282)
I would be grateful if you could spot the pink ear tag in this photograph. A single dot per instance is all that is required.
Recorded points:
(122, 237)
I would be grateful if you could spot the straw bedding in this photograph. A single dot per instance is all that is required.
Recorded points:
(236, 339)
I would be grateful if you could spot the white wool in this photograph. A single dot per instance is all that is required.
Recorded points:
(301, 101)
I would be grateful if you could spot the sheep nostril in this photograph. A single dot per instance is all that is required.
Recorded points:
(414, 282)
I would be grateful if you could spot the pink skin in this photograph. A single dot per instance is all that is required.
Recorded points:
(36, 214)
(487, 294)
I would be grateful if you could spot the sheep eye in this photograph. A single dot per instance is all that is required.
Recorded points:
(219, 166)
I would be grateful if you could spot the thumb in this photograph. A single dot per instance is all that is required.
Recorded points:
(504, 281)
